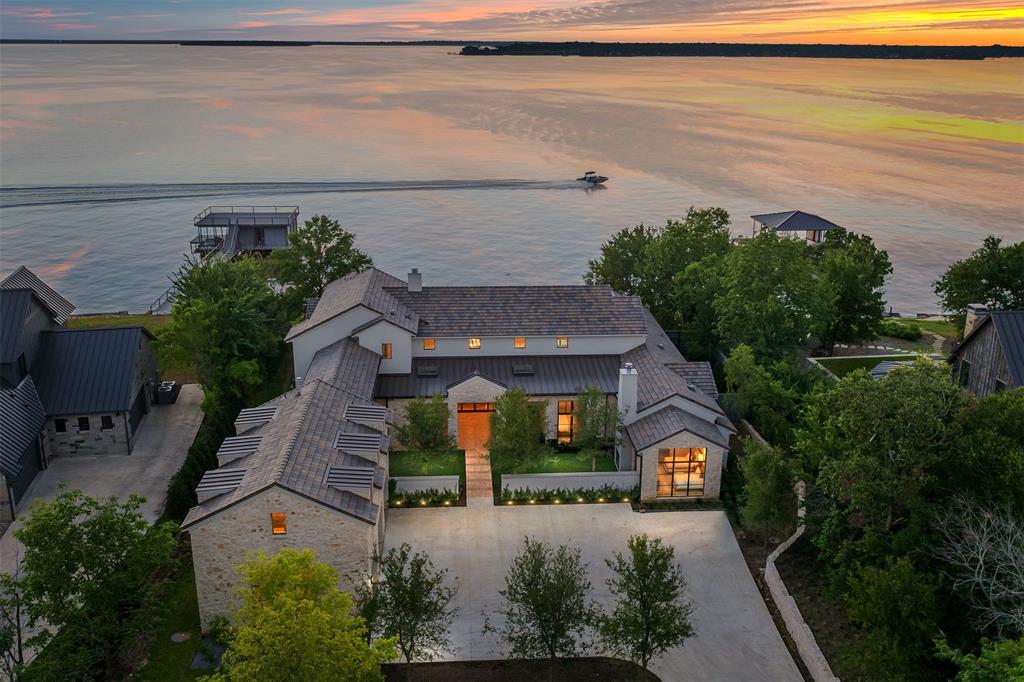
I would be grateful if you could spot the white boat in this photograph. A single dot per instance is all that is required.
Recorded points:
(592, 178)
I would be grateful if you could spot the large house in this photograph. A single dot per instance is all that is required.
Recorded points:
(309, 468)
(990, 359)
(63, 392)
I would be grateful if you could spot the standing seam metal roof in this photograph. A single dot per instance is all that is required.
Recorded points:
(1010, 328)
(14, 309)
(86, 371)
(23, 278)
(794, 221)
(21, 418)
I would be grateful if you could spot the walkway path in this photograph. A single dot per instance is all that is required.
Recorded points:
(478, 478)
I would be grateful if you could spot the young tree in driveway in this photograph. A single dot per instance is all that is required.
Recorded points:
(547, 611)
(412, 604)
(317, 254)
(650, 614)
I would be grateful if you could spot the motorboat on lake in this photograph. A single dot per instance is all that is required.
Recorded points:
(592, 178)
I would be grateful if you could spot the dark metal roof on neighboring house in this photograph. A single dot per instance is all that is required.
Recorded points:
(667, 422)
(14, 308)
(886, 366)
(23, 278)
(21, 419)
(1009, 326)
(523, 310)
(794, 221)
(86, 371)
(549, 375)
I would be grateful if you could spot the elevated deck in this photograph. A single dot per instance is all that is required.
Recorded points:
(233, 230)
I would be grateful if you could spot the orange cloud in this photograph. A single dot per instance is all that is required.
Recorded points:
(252, 24)
(251, 132)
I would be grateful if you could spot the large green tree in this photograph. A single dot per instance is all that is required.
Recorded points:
(769, 501)
(546, 608)
(90, 571)
(411, 603)
(228, 322)
(757, 395)
(650, 614)
(621, 259)
(295, 624)
(993, 275)
(426, 424)
(318, 253)
(876, 449)
(770, 295)
(852, 274)
(518, 427)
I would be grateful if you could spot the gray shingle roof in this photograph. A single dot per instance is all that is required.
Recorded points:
(23, 278)
(669, 421)
(698, 374)
(552, 375)
(658, 382)
(295, 450)
(362, 288)
(85, 371)
(346, 365)
(21, 419)
(794, 221)
(14, 308)
(523, 310)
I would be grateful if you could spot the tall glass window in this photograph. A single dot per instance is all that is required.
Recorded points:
(965, 373)
(681, 472)
(566, 420)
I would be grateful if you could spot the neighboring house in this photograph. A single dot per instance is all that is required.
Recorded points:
(63, 391)
(309, 468)
(795, 224)
(990, 359)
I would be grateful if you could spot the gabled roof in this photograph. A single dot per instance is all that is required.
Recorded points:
(794, 221)
(667, 422)
(15, 305)
(364, 288)
(658, 382)
(346, 365)
(85, 371)
(23, 278)
(1009, 326)
(21, 419)
(295, 451)
(523, 310)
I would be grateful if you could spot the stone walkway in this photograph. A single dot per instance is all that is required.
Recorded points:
(478, 479)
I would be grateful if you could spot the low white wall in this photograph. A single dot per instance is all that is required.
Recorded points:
(413, 484)
(571, 481)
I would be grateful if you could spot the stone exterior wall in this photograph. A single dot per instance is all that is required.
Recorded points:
(473, 390)
(225, 540)
(95, 441)
(712, 471)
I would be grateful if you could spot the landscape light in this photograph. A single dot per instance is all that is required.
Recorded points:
(510, 501)
(557, 502)
(532, 501)
(423, 502)
(447, 502)
(579, 499)
(625, 499)
(600, 499)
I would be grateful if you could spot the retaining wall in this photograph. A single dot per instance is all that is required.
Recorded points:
(414, 484)
(624, 480)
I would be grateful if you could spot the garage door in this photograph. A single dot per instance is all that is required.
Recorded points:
(138, 411)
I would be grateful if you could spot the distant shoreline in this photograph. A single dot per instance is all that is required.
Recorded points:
(579, 49)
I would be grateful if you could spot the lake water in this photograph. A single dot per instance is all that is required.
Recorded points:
(461, 166)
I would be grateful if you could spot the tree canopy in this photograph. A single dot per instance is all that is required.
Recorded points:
(622, 256)
(295, 624)
(992, 275)
(769, 501)
(517, 428)
(318, 253)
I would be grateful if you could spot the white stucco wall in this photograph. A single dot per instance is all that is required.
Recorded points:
(224, 541)
(383, 332)
(712, 470)
(305, 345)
(535, 345)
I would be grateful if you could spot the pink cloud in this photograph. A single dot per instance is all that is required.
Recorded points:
(217, 103)
(252, 132)
(60, 26)
(252, 24)
(41, 12)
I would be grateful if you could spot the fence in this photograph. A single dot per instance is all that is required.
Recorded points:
(584, 480)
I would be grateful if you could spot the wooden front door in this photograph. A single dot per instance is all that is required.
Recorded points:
(474, 425)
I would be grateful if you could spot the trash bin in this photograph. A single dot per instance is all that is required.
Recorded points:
(167, 393)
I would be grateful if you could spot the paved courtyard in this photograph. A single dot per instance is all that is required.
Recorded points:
(163, 441)
(735, 639)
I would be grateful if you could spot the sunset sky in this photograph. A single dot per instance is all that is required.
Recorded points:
(974, 22)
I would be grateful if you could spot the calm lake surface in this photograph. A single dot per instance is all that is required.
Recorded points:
(461, 166)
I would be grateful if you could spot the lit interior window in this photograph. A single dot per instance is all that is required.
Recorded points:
(519, 342)
(474, 343)
(562, 342)
(429, 344)
(385, 351)
(278, 524)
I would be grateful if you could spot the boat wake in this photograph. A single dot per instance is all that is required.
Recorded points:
(11, 197)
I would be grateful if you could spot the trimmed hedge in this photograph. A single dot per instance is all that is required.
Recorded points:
(900, 330)
(202, 457)
(570, 496)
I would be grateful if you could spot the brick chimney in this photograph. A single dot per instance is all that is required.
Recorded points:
(627, 398)
(415, 281)
(976, 312)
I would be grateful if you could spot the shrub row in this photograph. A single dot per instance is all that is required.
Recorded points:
(421, 498)
(570, 496)
(900, 330)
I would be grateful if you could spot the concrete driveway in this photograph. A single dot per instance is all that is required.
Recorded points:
(163, 441)
(735, 638)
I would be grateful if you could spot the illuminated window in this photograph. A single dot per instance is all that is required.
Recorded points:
(429, 344)
(278, 525)
(681, 472)
(519, 342)
(566, 420)
(474, 343)
(562, 342)
(385, 351)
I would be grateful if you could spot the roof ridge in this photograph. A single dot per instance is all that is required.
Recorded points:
(296, 426)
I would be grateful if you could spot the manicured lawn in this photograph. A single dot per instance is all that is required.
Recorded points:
(943, 327)
(569, 462)
(172, 660)
(843, 366)
(417, 463)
